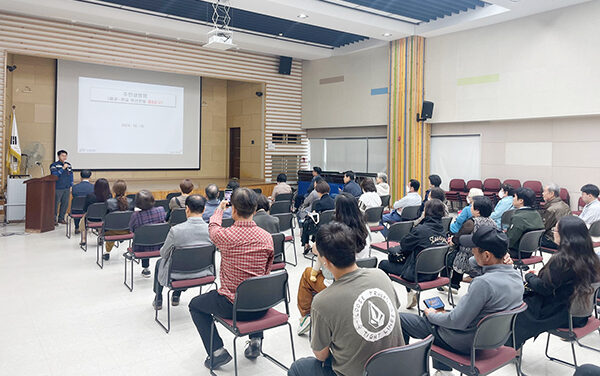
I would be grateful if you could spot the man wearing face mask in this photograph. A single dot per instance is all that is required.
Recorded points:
(505, 204)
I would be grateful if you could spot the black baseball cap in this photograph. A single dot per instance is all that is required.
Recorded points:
(487, 238)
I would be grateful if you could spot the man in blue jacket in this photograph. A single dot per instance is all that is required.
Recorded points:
(82, 189)
(61, 169)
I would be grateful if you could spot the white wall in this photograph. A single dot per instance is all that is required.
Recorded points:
(540, 66)
(348, 103)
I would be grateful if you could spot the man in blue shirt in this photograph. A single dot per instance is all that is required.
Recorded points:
(63, 170)
(212, 203)
(350, 186)
(505, 204)
(82, 189)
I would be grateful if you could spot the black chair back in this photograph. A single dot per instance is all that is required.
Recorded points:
(385, 200)
(286, 221)
(410, 213)
(261, 293)
(117, 220)
(151, 235)
(373, 215)
(177, 216)
(446, 221)
(431, 260)
(77, 204)
(506, 218)
(193, 259)
(96, 212)
(326, 217)
(594, 229)
(278, 246)
(399, 230)
(530, 241)
(257, 190)
(163, 203)
(369, 262)
(494, 330)
(284, 197)
(279, 207)
(227, 222)
(413, 358)
(172, 194)
(132, 196)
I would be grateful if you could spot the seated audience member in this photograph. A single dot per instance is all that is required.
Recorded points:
(498, 289)
(246, 251)
(316, 278)
(350, 186)
(465, 213)
(281, 187)
(192, 232)
(101, 194)
(481, 208)
(435, 181)
(435, 193)
(212, 203)
(383, 188)
(429, 233)
(81, 189)
(566, 280)
(325, 202)
(505, 204)
(412, 198)
(591, 210)
(117, 203)
(554, 210)
(369, 199)
(306, 206)
(186, 186)
(233, 184)
(148, 214)
(525, 219)
(316, 173)
(262, 218)
(343, 329)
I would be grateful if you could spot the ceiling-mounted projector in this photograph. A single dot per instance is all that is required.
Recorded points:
(220, 39)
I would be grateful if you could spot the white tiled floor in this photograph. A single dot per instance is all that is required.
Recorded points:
(62, 315)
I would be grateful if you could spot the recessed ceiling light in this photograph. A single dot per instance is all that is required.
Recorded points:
(387, 34)
(302, 15)
(280, 34)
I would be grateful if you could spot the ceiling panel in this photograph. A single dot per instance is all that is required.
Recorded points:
(423, 10)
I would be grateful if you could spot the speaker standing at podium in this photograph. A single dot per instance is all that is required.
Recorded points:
(64, 172)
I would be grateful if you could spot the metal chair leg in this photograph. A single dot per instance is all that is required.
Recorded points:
(99, 252)
(419, 303)
(130, 287)
(68, 229)
(168, 327)
(563, 362)
(212, 333)
(235, 355)
(84, 247)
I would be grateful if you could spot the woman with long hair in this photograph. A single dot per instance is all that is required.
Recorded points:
(101, 194)
(316, 279)
(564, 282)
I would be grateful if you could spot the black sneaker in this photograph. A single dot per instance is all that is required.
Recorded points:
(146, 273)
(175, 300)
(77, 231)
(157, 304)
(106, 256)
(253, 349)
(219, 360)
(307, 249)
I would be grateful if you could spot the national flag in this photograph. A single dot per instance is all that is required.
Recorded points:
(14, 149)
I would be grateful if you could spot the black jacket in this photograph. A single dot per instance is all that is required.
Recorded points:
(325, 203)
(429, 233)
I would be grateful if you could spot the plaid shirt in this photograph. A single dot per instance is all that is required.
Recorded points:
(246, 251)
(146, 217)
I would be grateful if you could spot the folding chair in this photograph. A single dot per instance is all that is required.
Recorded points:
(227, 222)
(595, 232)
(396, 232)
(373, 217)
(115, 221)
(286, 222)
(189, 260)
(410, 213)
(491, 186)
(414, 359)
(536, 187)
(530, 243)
(77, 205)
(163, 203)
(470, 184)
(429, 261)
(573, 335)
(506, 218)
(177, 216)
(279, 207)
(488, 352)
(369, 262)
(284, 197)
(514, 183)
(93, 219)
(254, 295)
(324, 218)
(455, 188)
(152, 235)
(279, 254)
(385, 201)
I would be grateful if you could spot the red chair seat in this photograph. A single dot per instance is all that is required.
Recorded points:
(376, 228)
(428, 285)
(147, 254)
(272, 319)
(182, 283)
(530, 260)
(288, 238)
(596, 244)
(386, 211)
(76, 215)
(485, 361)
(383, 246)
(278, 266)
(95, 224)
(592, 325)
(576, 212)
(118, 237)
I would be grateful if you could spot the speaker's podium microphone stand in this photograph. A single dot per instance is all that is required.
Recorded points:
(426, 112)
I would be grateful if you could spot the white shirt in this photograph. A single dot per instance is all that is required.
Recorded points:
(411, 199)
(383, 189)
(369, 200)
(591, 213)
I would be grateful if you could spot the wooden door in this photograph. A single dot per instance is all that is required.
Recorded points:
(234, 152)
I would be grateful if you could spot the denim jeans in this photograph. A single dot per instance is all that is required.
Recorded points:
(311, 367)
(391, 217)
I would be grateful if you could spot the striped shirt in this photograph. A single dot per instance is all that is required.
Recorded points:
(246, 251)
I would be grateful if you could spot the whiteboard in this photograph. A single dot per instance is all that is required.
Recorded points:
(456, 157)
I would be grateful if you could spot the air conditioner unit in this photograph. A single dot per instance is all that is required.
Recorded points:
(220, 39)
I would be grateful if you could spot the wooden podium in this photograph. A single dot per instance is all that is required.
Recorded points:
(39, 209)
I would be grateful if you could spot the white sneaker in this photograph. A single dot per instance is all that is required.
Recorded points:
(304, 325)
(443, 373)
(454, 291)
(411, 299)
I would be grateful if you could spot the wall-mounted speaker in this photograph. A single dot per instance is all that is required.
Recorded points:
(285, 65)
(426, 111)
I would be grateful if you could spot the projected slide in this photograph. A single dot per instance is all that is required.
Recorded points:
(129, 118)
